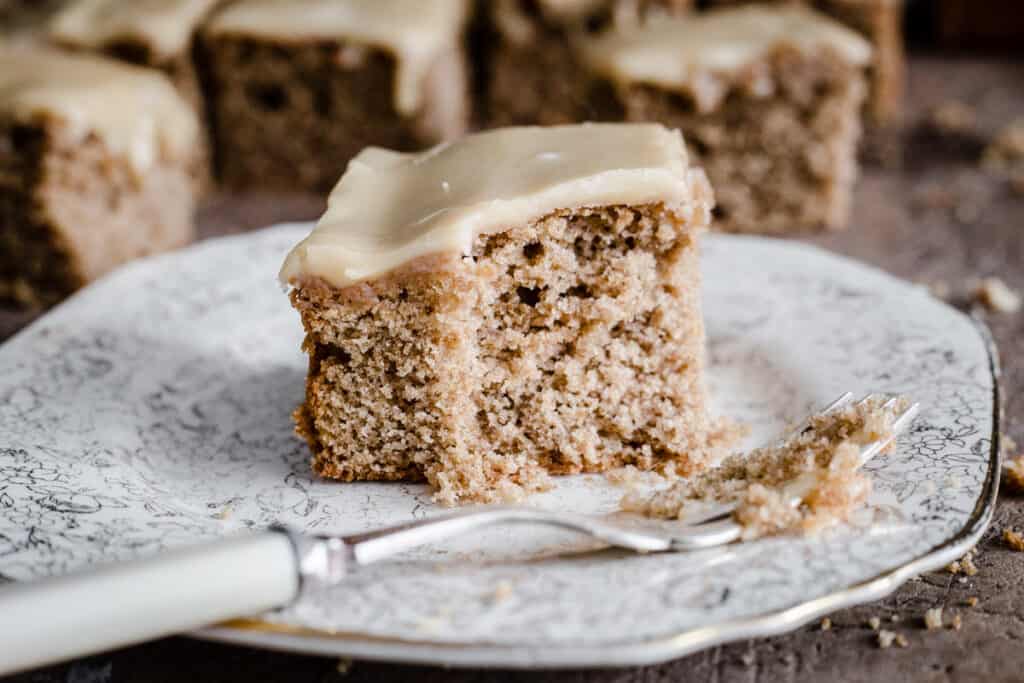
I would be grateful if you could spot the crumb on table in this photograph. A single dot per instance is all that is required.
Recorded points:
(887, 639)
(933, 619)
(1014, 474)
(996, 296)
(1014, 540)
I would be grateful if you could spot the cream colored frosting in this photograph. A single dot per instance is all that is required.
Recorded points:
(391, 208)
(166, 26)
(414, 31)
(136, 112)
(672, 51)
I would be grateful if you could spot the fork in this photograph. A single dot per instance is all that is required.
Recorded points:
(123, 603)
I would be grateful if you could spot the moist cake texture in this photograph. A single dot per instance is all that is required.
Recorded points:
(821, 464)
(296, 89)
(155, 34)
(768, 99)
(518, 303)
(97, 166)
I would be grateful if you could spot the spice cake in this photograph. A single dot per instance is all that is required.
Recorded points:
(296, 89)
(529, 61)
(881, 22)
(768, 99)
(97, 166)
(520, 302)
(822, 463)
(154, 34)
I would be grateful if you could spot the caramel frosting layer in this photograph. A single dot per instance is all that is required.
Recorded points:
(165, 26)
(415, 32)
(676, 52)
(392, 208)
(136, 112)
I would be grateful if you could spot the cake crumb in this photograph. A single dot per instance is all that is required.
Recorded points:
(874, 623)
(887, 639)
(956, 623)
(344, 666)
(964, 565)
(820, 466)
(1013, 539)
(996, 296)
(747, 658)
(1014, 471)
(971, 601)
(933, 619)
(826, 624)
(953, 117)
(503, 591)
(1006, 149)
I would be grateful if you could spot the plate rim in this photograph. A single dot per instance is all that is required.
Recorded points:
(489, 655)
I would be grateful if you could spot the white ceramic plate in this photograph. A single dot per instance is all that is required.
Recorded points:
(153, 410)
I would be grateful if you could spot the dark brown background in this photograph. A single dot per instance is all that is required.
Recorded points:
(935, 217)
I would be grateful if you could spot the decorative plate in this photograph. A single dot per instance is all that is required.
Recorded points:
(153, 410)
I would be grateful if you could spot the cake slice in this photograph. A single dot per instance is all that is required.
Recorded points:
(520, 302)
(768, 99)
(154, 34)
(298, 88)
(98, 165)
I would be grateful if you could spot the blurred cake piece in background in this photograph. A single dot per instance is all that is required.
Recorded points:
(156, 34)
(881, 22)
(529, 61)
(97, 166)
(768, 100)
(296, 89)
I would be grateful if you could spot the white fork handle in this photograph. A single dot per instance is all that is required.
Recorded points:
(130, 602)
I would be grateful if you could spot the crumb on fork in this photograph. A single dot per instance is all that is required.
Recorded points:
(825, 458)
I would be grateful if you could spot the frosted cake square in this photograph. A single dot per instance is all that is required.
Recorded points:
(768, 98)
(296, 89)
(518, 303)
(99, 164)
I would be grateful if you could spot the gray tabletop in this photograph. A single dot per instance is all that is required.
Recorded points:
(934, 216)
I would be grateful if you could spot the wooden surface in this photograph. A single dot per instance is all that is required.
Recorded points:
(937, 217)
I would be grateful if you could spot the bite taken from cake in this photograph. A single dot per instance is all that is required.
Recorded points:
(518, 303)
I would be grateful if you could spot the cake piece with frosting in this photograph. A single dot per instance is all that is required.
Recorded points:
(297, 88)
(518, 303)
(768, 99)
(98, 165)
(528, 59)
(157, 34)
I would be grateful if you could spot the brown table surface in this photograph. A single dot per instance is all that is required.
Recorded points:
(937, 217)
